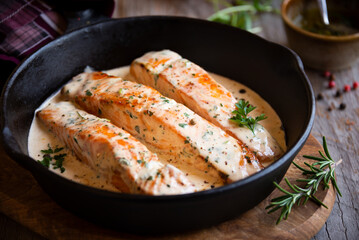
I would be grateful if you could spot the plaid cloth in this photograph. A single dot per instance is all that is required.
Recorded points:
(25, 26)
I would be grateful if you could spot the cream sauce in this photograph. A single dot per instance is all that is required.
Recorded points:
(40, 137)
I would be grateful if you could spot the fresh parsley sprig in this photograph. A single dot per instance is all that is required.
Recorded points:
(322, 171)
(241, 115)
(49, 157)
(240, 13)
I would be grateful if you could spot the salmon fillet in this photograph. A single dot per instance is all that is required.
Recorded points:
(166, 127)
(124, 161)
(189, 84)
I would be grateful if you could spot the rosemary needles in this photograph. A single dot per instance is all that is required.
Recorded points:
(320, 172)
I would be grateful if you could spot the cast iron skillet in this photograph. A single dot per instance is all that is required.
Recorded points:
(273, 71)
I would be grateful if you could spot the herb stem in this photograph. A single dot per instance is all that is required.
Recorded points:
(240, 13)
(233, 9)
(321, 171)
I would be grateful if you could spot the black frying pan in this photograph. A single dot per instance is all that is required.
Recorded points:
(273, 71)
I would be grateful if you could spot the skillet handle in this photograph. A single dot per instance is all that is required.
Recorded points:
(81, 13)
(80, 19)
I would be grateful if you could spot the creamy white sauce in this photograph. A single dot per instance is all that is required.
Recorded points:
(40, 137)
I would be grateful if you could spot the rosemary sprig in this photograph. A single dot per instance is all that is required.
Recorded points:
(241, 115)
(240, 13)
(322, 171)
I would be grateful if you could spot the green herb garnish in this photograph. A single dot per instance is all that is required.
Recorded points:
(88, 93)
(319, 172)
(59, 159)
(165, 100)
(149, 113)
(241, 115)
(50, 158)
(240, 13)
(137, 128)
(46, 159)
(182, 125)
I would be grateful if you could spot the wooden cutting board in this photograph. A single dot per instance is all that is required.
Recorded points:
(22, 199)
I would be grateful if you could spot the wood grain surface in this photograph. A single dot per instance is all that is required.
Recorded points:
(341, 127)
(24, 201)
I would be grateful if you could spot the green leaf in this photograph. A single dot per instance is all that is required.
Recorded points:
(57, 149)
(240, 13)
(46, 161)
(55, 160)
(243, 108)
(48, 151)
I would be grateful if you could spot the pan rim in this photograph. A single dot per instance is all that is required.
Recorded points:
(148, 198)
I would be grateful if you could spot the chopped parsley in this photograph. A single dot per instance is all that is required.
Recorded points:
(241, 115)
(149, 113)
(51, 158)
(182, 125)
(165, 100)
(88, 93)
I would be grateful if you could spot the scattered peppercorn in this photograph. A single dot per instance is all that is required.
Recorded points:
(338, 93)
(242, 91)
(331, 84)
(347, 88)
(355, 85)
(326, 74)
(342, 106)
(319, 96)
(331, 77)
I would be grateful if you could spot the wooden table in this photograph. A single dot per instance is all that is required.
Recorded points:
(341, 127)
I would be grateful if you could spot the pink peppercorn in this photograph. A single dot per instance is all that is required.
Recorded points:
(347, 88)
(326, 74)
(331, 84)
(355, 85)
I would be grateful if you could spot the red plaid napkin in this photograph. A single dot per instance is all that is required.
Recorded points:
(25, 26)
